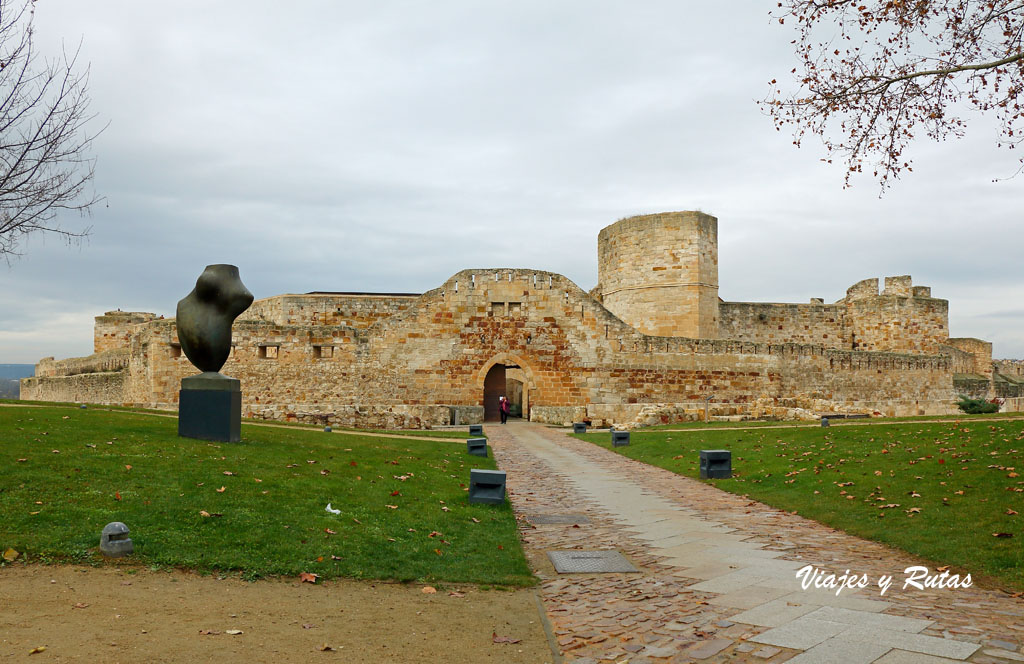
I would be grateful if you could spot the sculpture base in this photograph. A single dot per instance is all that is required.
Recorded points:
(210, 407)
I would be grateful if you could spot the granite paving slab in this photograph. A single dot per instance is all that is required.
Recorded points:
(711, 568)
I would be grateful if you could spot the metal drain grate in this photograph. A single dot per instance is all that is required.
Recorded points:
(544, 519)
(589, 562)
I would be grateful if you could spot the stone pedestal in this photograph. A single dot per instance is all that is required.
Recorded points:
(210, 407)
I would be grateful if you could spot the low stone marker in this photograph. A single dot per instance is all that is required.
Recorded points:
(715, 464)
(620, 438)
(476, 429)
(579, 427)
(486, 486)
(477, 446)
(824, 421)
(327, 429)
(114, 540)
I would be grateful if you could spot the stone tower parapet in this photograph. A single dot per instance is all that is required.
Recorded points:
(903, 318)
(113, 330)
(659, 273)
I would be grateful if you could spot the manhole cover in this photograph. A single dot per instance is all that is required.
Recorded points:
(589, 562)
(556, 518)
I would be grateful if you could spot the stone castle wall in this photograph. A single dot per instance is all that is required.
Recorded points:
(405, 360)
(350, 309)
(571, 353)
(815, 323)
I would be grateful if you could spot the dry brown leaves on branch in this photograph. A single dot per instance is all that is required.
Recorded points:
(872, 75)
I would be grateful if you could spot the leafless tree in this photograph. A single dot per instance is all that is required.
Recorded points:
(45, 161)
(873, 74)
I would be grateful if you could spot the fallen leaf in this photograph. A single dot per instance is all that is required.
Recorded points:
(233, 631)
(503, 639)
(1011, 512)
(222, 489)
(37, 650)
(325, 472)
(10, 555)
(208, 632)
(306, 577)
(329, 531)
(308, 626)
(474, 519)
(117, 495)
(80, 605)
(325, 648)
(395, 492)
(429, 590)
(1002, 534)
(942, 569)
(456, 594)
(22, 460)
(393, 507)
(127, 466)
(228, 472)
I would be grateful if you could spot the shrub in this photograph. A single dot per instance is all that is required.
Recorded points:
(976, 406)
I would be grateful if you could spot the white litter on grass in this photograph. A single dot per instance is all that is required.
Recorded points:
(332, 510)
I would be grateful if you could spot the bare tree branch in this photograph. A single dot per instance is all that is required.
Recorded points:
(45, 162)
(891, 69)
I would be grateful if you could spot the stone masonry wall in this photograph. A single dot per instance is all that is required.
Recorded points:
(100, 388)
(980, 353)
(814, 323)
(350, 309)
(659, 273)
(412, 368)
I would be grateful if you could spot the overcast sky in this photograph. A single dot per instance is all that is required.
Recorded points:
(383, 146)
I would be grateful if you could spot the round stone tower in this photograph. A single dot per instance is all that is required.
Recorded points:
(659, 273)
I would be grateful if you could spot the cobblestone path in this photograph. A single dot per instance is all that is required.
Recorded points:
(717, 572)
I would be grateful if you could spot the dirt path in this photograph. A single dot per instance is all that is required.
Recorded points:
(132, 615)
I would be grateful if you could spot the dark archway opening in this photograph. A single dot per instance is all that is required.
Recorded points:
(494, 387)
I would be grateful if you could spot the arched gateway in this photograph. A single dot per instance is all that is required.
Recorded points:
(505, 375)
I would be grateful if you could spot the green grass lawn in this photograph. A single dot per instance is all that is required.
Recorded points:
(856, 421)
(66, 472)
(939, 491)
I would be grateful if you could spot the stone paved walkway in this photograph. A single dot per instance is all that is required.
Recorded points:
(717, 579)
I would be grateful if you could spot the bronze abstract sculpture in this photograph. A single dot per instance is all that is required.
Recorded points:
(205, 315)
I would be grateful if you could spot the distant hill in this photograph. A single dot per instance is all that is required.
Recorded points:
(9, 375)
(17, 370)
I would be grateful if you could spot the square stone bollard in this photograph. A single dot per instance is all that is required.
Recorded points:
(824, 421)
(486, 486)
(579, 427)
(477, 446)
(476, 429)
(715, 464)
(620, 438)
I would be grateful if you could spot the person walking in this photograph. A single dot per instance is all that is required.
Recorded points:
(505, 407)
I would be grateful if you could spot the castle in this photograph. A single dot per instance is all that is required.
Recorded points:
(651, 343)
